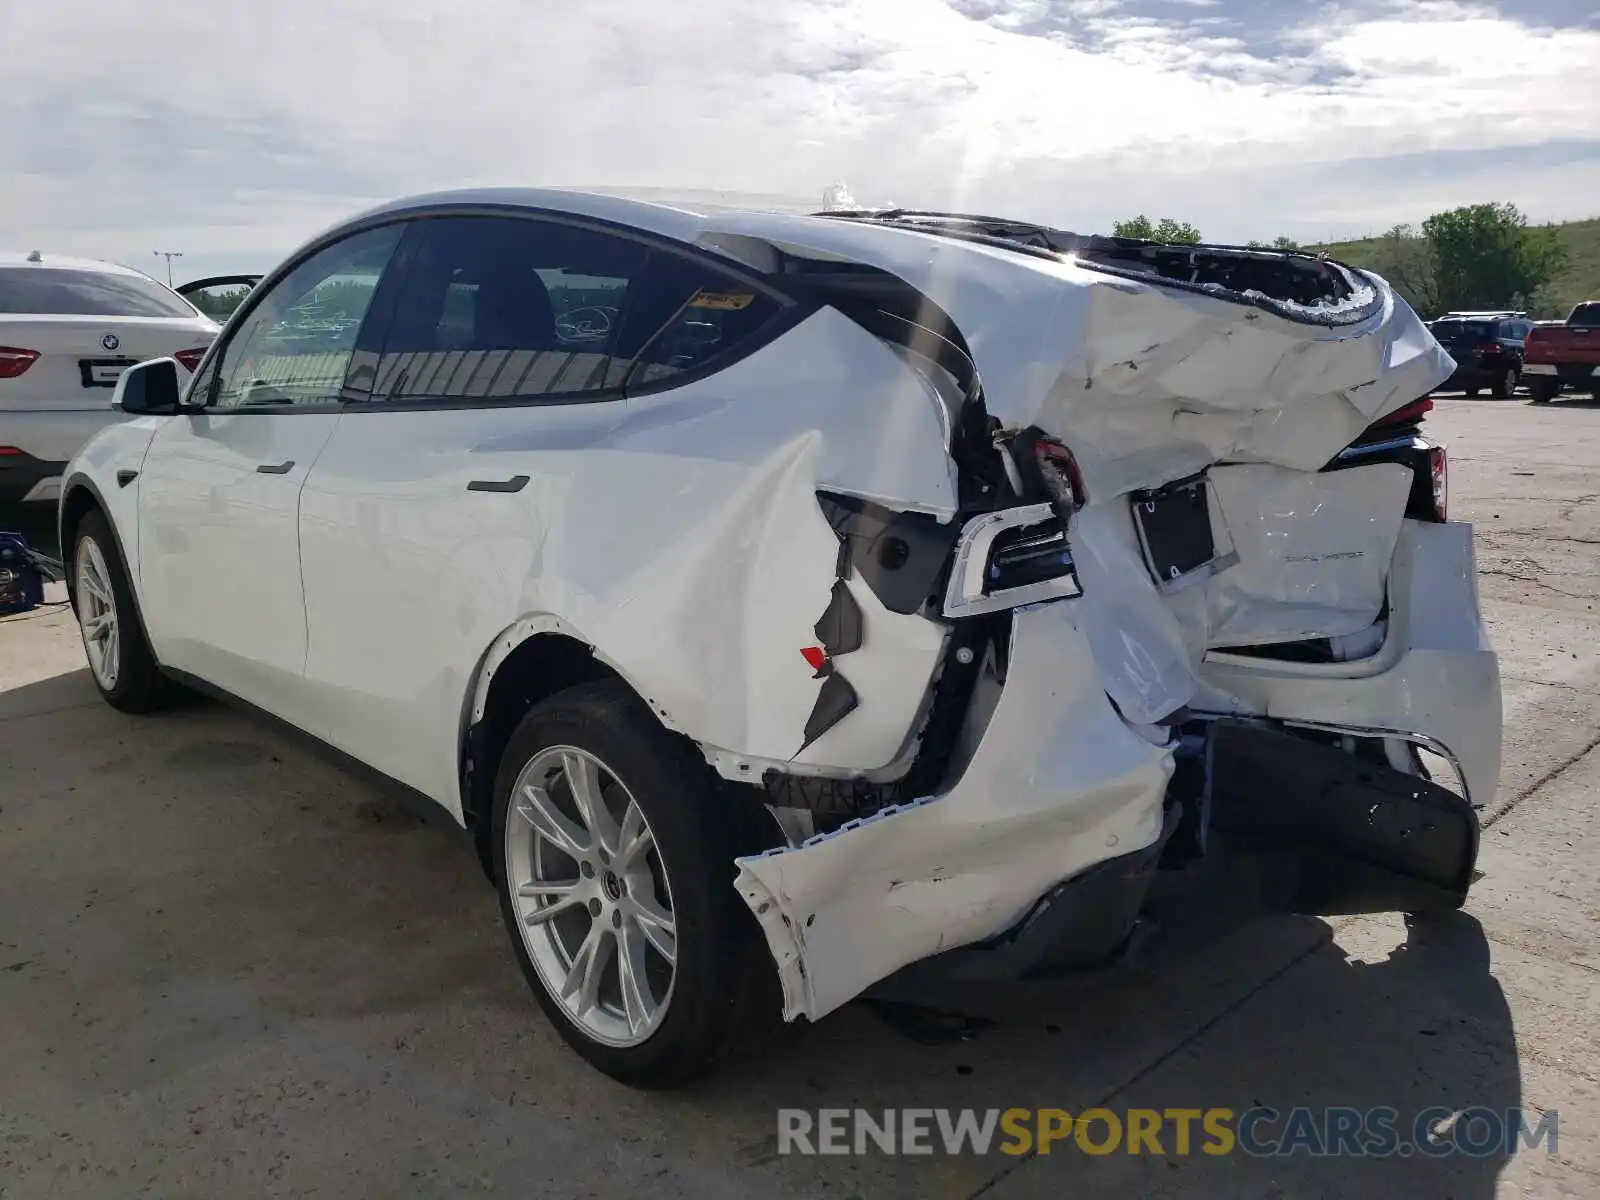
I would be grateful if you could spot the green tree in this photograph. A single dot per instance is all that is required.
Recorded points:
(1486, 256)
(1285, 243)
(1172, 232)
(1409, 262)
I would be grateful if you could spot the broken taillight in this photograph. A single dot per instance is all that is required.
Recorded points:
(1062, 478)
(1009, 558)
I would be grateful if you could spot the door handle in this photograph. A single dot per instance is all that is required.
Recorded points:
(282, 468)
(515, 484)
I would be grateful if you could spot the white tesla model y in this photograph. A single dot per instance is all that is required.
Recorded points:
(786, 601)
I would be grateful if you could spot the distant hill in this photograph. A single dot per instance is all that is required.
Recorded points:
(1580, 281)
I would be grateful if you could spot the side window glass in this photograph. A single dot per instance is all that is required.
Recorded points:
(505, 308)
(218, 298)
(295, 345)
(685, 315)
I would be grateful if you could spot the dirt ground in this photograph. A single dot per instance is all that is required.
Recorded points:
(227, 968)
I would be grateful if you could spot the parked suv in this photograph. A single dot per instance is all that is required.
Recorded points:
(785, 601)
(1487, 348)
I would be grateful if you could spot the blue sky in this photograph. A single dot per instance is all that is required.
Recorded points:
(234, 130)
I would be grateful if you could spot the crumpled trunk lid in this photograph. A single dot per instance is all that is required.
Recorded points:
(1238, 373)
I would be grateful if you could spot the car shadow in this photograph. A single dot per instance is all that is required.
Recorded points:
(353, 922)
(1274, 1016)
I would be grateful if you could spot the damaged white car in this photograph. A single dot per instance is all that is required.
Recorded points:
(782, 601)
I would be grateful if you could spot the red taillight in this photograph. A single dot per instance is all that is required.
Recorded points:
(191, 358)
(1491, 348)
(1414, 411)
(1439, 465)
(14, 361)
(1062, 476)
(9, 452)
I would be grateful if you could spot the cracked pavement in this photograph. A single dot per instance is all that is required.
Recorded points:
(228, 968)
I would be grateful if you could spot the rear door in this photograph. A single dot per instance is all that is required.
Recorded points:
(220, 486)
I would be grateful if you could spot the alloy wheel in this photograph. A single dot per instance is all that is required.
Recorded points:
(97, 614)
(592, 896)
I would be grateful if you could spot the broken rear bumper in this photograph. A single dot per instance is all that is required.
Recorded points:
(1059, 784)
(1044, 850)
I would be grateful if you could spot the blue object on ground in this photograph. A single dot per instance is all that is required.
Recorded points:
(21, 579)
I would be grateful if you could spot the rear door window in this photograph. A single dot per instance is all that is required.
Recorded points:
(63, 292)
(687, 316)
(505, 309)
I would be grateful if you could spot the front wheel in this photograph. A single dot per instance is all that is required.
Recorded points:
(1505, 384)
(613, 857)
(121, 662)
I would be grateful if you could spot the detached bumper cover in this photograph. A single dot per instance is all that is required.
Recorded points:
(1059, 783)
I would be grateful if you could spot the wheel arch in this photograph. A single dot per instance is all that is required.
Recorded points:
(530, 661)
(78, 499)
(80, 496)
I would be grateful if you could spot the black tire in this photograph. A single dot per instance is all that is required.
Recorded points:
(1543, 388)
(138, 686)
(724, 996)
(1470, 393)
(1505, 384)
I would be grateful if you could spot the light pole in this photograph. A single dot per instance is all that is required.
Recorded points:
(169, 255)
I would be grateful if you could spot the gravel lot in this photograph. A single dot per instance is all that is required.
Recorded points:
(227, 968)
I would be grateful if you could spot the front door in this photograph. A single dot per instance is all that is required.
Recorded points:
(220, 487)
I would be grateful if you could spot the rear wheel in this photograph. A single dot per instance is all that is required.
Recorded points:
(1505, 383)
(613, 855)
(1543, 388)
(1470, 393)
(121, 663)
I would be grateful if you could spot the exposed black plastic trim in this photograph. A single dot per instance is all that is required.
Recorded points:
(901, 555)
(840, 627)
(835, 702)
(952, 697)
(1341, 834)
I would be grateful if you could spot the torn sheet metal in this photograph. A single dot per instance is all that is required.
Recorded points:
(1058, 783)
(1147, 383)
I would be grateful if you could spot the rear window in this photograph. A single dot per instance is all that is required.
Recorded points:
(1452, 331)
(1585, 314)
(58, 291)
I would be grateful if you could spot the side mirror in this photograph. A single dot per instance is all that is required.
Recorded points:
(149, 388)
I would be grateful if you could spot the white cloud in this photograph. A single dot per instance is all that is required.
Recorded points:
(242, 125)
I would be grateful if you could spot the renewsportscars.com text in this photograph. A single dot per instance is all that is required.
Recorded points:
(1260, 1132)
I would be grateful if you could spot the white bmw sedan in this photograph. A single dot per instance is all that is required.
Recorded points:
(69, 327)
(783, 602)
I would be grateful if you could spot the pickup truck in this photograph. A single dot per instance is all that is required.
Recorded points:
(1566, 354)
